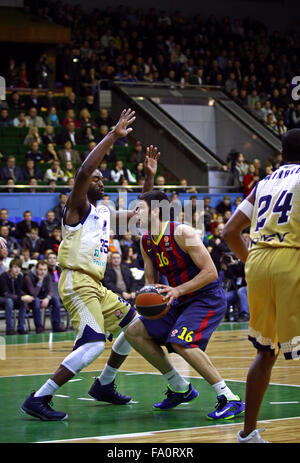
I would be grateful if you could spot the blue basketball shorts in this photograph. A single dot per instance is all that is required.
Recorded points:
(189, 323)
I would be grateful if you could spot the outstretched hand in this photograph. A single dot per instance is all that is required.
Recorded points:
(127, 118)
(152, 156)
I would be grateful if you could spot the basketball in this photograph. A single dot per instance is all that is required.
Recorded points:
(149, 303)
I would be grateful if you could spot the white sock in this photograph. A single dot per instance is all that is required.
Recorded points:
(221, 388)
(107, 375)
(47, 389)
(176, 381)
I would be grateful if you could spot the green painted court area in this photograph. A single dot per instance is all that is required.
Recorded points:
(88, 418)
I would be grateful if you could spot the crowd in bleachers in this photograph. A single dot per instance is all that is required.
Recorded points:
(130, 44)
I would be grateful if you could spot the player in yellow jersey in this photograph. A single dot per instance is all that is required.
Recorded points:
(272, 273)
(96, 312)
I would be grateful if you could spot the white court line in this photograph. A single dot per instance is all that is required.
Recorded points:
(73, 380)
(84, 398)
(60, 395)
(151, 433)
(283, 403)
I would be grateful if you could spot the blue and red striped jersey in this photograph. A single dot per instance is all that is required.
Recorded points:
(170, 260)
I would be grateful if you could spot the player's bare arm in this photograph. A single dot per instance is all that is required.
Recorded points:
(190, 242)
(150, 272)
(234, 227)
(150, 166)
(77, 205)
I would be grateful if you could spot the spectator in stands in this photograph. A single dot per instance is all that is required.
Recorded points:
(110, 155)
(58, 210)
(12, 243)
(27, 262)
(34, 153)
(70, 102)
(128, 241)
(43, 72)
(54, 172)
(89, 103)
(54, 240)
(103, 131)
(33, 100)
(160, 182)
(24, 226)
(11, 170)
(34, 243)
(224, 205)
(234, 284)
(272, 123)
(85, 119)
(105, 171)
(4, 221)
(49, 100)
(209, 213)
(258, 168)
(5, 259)
(33, 135)
(47, 225)
(68, 154)
(49, 135)
(5, 120)
(282, 128)
(137, 154)
(12, 296)
(54, 271)
(30, 170)
(250, 179)
(33, 182)
(49, 154)
(33, 120)
(20, 121)
(70, 117)
(15, 102)
(120, 172)
(258, 110)
(91, 146)
(217, 246)
(12, 74)
(139, 171)
(88, 135)
(10, 186)
(295, 116)
(114, 244)
(119, 279)
(38, 284)
(52, 117)
(70, 134)
(23, 76)
(69, 171)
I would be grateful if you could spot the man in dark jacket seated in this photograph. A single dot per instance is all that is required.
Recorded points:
(38, 283)
(118, 278)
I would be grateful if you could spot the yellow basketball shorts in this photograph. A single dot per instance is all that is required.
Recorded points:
(273, 284)
(96, 312)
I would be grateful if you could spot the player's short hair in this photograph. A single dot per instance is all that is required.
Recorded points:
(291, 145)
(156, 195)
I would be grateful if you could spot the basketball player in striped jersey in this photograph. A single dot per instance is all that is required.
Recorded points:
(272, 273)
(96, 313)
(197, 305)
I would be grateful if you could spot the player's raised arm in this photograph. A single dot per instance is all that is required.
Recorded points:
(78, 196)
(150, 165)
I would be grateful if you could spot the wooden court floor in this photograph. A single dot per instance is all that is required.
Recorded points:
(30, 360)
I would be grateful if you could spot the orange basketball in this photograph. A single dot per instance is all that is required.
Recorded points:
(149, 303)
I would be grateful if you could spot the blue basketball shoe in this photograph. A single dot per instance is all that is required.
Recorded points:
(39, 408)
(175, 398)
(108, 393)
(227, 409)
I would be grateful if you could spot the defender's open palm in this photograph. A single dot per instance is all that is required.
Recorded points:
(152, 156)
(127, 118)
